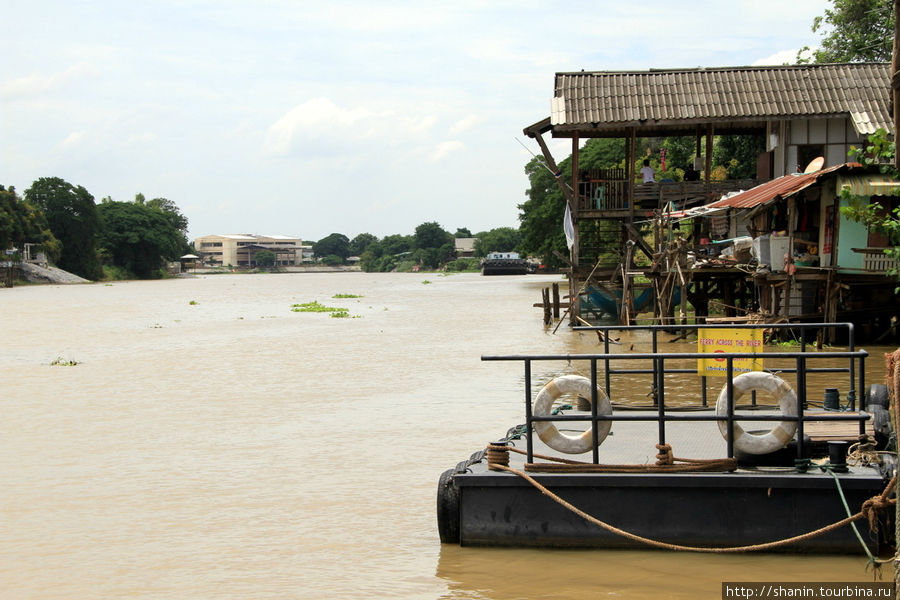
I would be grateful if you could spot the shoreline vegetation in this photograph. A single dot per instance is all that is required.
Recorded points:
(29, 274)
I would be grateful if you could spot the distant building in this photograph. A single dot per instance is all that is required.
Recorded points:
(239, 250)
(465, 247)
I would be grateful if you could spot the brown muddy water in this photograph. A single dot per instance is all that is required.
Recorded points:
(211, 443)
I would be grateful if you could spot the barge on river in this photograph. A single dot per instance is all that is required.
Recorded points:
(504, 263)
(774, 463)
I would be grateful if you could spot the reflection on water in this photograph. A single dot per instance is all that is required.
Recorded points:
(210, 443)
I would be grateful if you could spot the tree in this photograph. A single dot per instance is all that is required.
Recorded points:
(738, 154)
(462, 232)
(396, 244)
(21, 222)
(336, 244)
(501, 239)
(431, 235)
(359, 244)
(176, 219)
(72, 218)
(854, 31)
(264, 258)
(137, 237)
(541, 216)
(432, 244)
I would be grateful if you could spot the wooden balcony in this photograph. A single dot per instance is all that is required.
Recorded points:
(605, 194)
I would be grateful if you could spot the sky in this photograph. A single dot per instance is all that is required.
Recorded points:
(299, 118)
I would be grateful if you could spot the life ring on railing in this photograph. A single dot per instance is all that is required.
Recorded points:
(543, 405)
(781, 434)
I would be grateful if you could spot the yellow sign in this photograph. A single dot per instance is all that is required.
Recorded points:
(719, 341)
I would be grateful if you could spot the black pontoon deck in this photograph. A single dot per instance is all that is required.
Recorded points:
(737, 498)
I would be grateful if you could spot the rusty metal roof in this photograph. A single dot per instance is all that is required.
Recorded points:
(781, 187)
(599, 100)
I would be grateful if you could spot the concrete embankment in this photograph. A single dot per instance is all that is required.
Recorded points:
(39, 274)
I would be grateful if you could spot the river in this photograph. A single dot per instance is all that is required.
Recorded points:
(209, 442)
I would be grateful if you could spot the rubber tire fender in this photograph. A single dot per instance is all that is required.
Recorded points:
(448, 508)
(877, 395)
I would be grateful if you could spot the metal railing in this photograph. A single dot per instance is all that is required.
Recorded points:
(856, 370)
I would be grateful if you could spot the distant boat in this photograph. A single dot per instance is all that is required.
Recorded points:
(504, 263)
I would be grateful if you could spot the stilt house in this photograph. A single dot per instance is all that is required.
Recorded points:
(803, 113)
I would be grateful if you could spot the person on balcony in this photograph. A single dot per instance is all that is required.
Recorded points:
(647, 172)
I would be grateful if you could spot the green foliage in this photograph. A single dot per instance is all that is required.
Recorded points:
(62, 362)
(738, 154)
(431, 235)
(879, 151)
(314, 306)
(22, 222)
(541, 216)
(176, 220)
(336, 244)
(347, 296)
(432, 245)
(332, 260)
(73, 220)
(463, 264)
(360, 243)
(264, 258)
(137, 237)
(500, 239)
(853, 31)
(462, 232)
(112, 273)
(602, 153)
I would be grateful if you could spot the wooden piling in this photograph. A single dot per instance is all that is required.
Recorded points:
(545, 296)
(555, 300)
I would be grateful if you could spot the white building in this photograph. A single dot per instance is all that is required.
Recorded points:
(239, 250)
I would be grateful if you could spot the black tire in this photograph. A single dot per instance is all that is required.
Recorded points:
(448, 508)
(882, 426)
(877, 395)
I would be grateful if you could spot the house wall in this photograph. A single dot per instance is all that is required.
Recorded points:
(851, 235)
(834, 135)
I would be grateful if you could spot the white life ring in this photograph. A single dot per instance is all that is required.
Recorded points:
(781, 434)
(543, 405)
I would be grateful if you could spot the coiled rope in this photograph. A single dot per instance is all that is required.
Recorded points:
(869, 510)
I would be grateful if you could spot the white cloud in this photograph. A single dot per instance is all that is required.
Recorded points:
(445, 148)
(73, 139)
(464, 124)
(783, 57)
(324, 123)
(40, 84)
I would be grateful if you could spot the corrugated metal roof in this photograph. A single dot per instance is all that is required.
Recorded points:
(781, 187)
(873, 184)
(610, 99)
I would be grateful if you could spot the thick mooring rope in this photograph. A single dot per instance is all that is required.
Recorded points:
(665, 463)
(869, 510)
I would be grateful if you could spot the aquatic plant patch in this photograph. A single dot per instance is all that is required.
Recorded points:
(62, 362)
(347, 296)
(314, 306)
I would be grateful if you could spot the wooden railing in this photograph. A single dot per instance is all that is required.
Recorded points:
(607, 190)
(876, 260)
